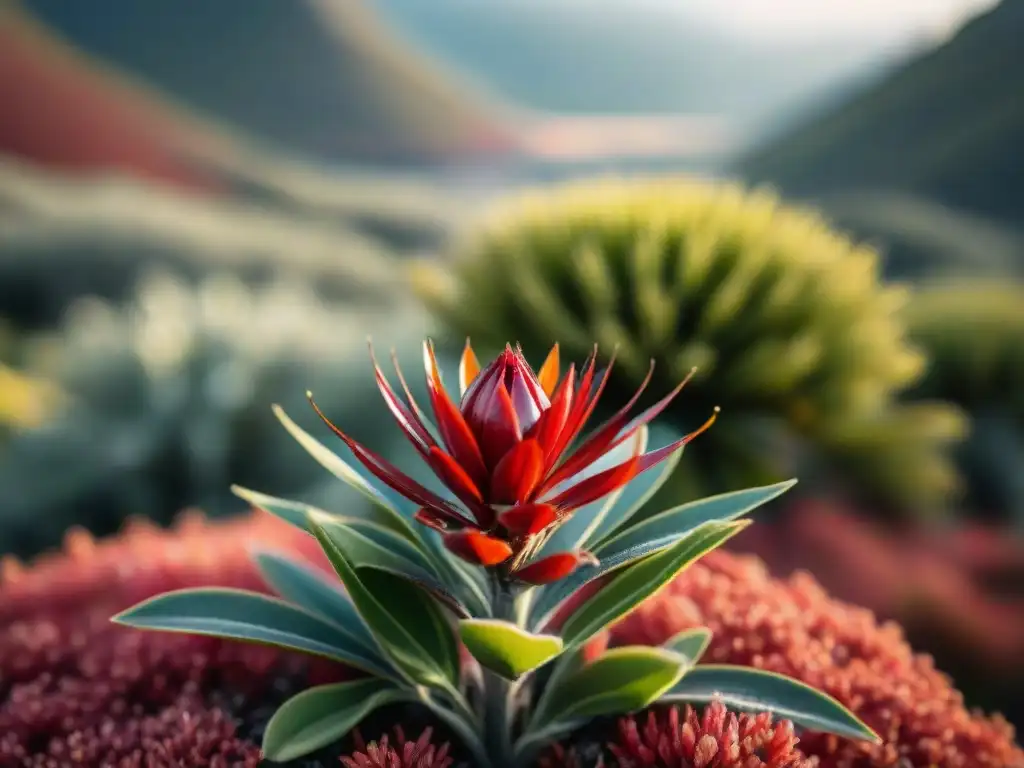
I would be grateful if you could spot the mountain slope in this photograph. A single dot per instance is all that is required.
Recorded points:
(321, 77)
(948, 126)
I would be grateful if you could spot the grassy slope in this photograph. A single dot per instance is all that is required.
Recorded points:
(947, 126)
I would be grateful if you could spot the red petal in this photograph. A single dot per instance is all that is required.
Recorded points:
(498, 431)
(395, 478)
(478, 548)
(646, 416)
(527, 519)
(550, 568)
(603, 438)
(454, 476)
(596, 486)
(579, 412)
(654, 458)
(454, 430)
(429, 519)
(548, 429)
(517, 474)
(408, 421)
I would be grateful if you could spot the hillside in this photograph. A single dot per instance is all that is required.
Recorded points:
(948, 126)
(312, 76)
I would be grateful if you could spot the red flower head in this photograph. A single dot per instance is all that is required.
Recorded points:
(504, 452)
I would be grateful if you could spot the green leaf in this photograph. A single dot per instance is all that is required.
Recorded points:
(318, 716)
(622, 680)
(381, 511)
(572, 534)
(755, 690)
(691, 643)
(671, 523)
(241, 615)
(505, 648)
(634, 496)
(639, 581)
(308, 589)
(386, 551)
(420, 644)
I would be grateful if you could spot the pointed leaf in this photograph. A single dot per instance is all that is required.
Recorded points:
(555, 594)
(755, 690)
(683, 519)
(505, 648)
(622, 680)
(639, 581)
(308, 589)
(321, 715)
(381, 510)
(241, 615)
(386, 551)
(408, 641)
(691, 643)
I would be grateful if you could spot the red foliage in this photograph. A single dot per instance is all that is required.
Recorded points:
(421, 753)
(78, 690)
(794, 628)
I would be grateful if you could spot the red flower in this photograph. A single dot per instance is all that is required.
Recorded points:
(422, 753)
(503, 452)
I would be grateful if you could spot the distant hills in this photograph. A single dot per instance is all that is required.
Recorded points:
(947, 128)
(315, 77)
(584, 57)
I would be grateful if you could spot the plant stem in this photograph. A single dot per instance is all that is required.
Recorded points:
(497, 693)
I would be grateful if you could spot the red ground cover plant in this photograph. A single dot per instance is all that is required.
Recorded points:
(76, 690)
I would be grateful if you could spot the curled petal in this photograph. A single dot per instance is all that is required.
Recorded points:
(477, 548)
(517, 474)
(395, 478)
(650, 413)
(548, 376)
(453, 428)
(527, 519)
(469, 367)
(553, 567)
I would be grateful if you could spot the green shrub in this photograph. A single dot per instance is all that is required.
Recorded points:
(786, 320)
(167, 403)
(973, 333)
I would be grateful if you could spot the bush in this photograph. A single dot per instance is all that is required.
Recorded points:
(785, 319)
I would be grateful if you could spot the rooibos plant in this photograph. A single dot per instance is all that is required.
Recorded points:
(494, 564)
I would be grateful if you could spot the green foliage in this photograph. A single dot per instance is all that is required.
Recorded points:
(406, 603)
(166, 403)
(785, 319)
(506, 648)
(973, 333)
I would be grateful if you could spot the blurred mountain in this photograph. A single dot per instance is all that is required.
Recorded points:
(60, 110)
(948, 126)
(318, 77)
(629, 57)
(922, 239)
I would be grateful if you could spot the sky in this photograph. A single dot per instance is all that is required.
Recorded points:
(795, 19)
